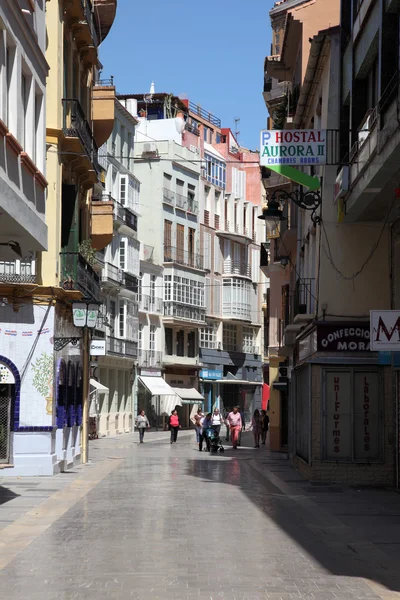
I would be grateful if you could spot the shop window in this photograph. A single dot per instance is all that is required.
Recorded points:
(191, 344)
(168, 341)
(352, 415)
(180, 343)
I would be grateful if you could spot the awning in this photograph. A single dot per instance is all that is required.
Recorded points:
(157, 386)
(211, 150)
(189, 395)
(98, 387)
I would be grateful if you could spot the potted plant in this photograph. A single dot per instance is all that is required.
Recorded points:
(86, 250)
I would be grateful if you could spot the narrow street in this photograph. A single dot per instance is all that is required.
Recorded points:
(161, 521)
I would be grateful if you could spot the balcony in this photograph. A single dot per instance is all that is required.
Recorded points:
(231, 267)
(80, 13)
(192, 127)
(181, 257)
(103, 97)
(180, 201)
(105, 11)
(192, 206)
(17, 272)
(185, 313)
(250, 349)
(168, 196)
(234, 230)
(150, 358)
(148, 304)
(102, 230)
(79, 140)
(207, 116)
(121, 347)
(78, 275)
(111, 276)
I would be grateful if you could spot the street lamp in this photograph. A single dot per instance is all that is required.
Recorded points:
(272, 212)
(85, 315)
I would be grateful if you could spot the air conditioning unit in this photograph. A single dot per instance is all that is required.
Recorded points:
(150, 148)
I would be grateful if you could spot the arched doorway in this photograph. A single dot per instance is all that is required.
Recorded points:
(9, 382)
(71, 391)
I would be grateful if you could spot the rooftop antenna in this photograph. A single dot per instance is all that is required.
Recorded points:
(237, 132)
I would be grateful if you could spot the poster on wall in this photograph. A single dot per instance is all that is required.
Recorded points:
(366, 415)
(338, 415)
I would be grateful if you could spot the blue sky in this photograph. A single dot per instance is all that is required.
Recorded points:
(211, 51)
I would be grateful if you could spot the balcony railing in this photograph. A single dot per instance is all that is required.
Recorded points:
(77, 274)
(150, 358)
(168, 196)
(76, 125)
(151, 305)
(122, 347)
(186, 313)
(192, 127)
(17, 272)
(250, 349)
(188, 259)
(236, 268)
(180, 201)
(88, 10)
(300, 301)
(111, 273)
(192, 205)
(207, 116)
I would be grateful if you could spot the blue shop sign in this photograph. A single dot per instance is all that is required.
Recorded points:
(211, 374)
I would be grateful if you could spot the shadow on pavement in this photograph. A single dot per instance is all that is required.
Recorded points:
(339, 544)
(6, 495)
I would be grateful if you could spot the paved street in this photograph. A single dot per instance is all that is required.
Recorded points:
(158, 521)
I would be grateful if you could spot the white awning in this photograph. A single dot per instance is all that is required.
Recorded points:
(189, 395)
(98, 387)
(157, 386)
(168, 403)
(237, 382)
(211, 150)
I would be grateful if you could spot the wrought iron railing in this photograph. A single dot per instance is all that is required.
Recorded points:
(77, 274)
(75, 125)
(180, 201)
(88, 11)
(150, 304)
(168, 196)
(149, 358)
(232, 267)
(207, 116)
(192, 127)
(177, 255)
(105, 82)
(187, 313)
(112, 273)
(122, 347)
(192, 206)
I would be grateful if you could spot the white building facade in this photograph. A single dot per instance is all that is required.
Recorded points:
(119, 266)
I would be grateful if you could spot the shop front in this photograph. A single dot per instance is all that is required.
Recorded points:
(342, 407)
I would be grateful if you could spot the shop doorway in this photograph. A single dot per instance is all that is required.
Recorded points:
(6, 403)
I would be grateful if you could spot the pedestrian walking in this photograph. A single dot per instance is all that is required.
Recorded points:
(196, 420)
(217, 420)
(206, 423)
(243, 419)
(264, 426)
(142, 423)
(235, 425)
(256, 427)
(174, 426)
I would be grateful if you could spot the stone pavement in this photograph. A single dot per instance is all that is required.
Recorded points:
(156, 521)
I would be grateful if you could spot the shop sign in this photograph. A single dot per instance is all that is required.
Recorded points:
(211, 374)
(293, 147)
(338, 408)
(148, 373)
(98, 348)
(366, 415)
(79, 312)
(343, 337)
(385, 330)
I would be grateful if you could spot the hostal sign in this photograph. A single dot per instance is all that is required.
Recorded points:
(293, 147)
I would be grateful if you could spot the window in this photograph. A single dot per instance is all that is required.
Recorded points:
(217, 138)
(180, 242)
(191, 344)
(236, 299)
(152, 288)
(215, 170)
(152, 337)
(192, 198)
(167, 240)
(122, 320)
(113, 314)
(180, 343)
(140, 339)
(168, 341)
(167, 288)
(191, 246)
(249, 337)
(229, 337)
(24, 106)
(37, 138)
(10, 54)
(208, 336)
(122, 254)
(352, 415)
(123, 190)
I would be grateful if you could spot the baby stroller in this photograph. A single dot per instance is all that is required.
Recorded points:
(214, 441)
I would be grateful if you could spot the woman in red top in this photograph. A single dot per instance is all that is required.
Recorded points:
(174, 426)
